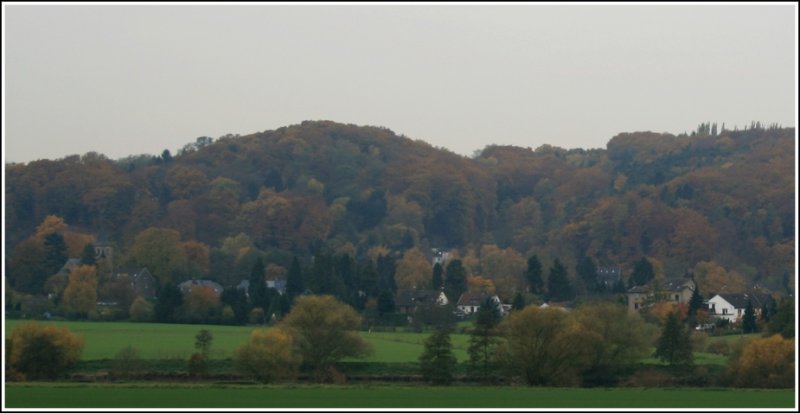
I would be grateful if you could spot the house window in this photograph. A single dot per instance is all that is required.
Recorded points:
(676, 297)
(636, 306)
(724, 311)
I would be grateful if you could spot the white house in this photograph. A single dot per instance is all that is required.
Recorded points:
(440, 257)
(407, 301)
(557, 306)
(279, 285)
(470, 302)
(731, 306)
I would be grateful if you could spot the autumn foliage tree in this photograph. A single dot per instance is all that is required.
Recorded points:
(324, 330)
(542, 346)
(413, 270)
(43, 351)
(268, 356)
(200, 305)
(479, 284)
(80, 296)
(660, 311)
(141, 310)
(505, 268)
(27, 273)
(617, 338)
(714, 278)
(159, 250)
(766, 362)
(39, 256)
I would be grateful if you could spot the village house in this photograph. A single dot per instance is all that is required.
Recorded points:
(731, 307)
(187, 286)
(608, 277)
(676, 291)
(279, 285)
(564, 306)
(142, 282)
(69, 266)
(407, 301)
(439, 257)
(470, 302)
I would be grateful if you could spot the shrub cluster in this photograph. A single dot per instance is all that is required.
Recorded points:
(37, 352)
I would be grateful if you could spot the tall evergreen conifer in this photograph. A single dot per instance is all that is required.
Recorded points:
(294, 280)
(673, 346)
(749, 319)
(533, 275)
(258, 286)
(455, 282)
(437, 361)
(437, 280)
(558, 285)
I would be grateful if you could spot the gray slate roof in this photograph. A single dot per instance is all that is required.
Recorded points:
(68, 266)
(674, 285)
(473, 299)
(740, 300)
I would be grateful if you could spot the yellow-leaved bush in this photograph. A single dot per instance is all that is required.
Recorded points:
(765, 362)
(42, 351)
(268, 356)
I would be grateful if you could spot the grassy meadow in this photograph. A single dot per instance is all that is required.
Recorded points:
(168, 341)
(44, 395)
(176, 341)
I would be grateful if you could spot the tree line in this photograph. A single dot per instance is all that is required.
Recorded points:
(597, 344)
(369, 282)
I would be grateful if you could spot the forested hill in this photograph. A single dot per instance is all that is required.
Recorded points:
(719, 203)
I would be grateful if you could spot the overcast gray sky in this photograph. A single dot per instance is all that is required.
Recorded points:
(128, 79)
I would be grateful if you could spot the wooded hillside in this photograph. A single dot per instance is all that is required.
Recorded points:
(718, 204)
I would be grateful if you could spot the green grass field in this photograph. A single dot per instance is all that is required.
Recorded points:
(166, 341)
(154, 341)
(219, 396)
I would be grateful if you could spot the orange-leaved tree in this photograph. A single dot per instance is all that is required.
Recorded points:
(765, 362)
(268, 355)
(42, 351)
(80, 296)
